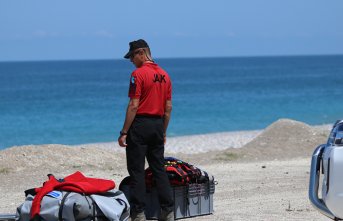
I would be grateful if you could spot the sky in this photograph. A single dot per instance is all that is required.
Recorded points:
(88, 29)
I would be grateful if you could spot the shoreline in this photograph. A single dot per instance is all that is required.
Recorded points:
(219, 140)
(193, 143)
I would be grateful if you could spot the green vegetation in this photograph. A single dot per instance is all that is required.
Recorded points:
(4, 170)
(228, 156)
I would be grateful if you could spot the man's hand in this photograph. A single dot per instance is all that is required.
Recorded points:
(122, 140)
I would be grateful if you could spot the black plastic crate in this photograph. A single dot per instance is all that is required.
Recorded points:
(189, 200)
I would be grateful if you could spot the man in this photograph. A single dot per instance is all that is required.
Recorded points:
(144, 130)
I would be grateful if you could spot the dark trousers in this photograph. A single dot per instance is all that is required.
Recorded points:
(145, 139)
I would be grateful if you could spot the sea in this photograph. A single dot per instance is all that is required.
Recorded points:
(77, 102)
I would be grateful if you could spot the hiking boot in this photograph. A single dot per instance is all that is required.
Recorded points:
(138, 216)
(167, 215)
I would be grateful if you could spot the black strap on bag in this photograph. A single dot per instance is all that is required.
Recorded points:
(60, 211)
(30, 192)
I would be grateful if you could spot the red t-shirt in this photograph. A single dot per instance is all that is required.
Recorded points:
(152, 85)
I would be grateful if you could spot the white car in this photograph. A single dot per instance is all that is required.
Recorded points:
(327, 159)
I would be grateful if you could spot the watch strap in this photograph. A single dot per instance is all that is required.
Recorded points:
(123, 133)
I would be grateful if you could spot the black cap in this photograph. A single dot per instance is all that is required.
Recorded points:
(135, 45)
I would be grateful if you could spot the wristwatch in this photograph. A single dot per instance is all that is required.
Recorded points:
(122, 133)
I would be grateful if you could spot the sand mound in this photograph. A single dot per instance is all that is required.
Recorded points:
(56, 158)
(284, 138)
(290, 134)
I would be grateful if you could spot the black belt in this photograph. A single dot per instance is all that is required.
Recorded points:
(149, 116)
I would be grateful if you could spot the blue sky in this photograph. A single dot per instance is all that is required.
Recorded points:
(85, 29)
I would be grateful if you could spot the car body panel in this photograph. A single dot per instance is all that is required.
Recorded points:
(327, 159)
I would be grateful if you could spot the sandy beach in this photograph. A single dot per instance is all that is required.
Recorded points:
(261, 175)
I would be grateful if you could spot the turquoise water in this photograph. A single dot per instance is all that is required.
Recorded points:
(74, 102)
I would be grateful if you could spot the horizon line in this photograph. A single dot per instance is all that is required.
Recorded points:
(162, 58)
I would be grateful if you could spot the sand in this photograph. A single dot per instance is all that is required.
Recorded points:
(261, 175)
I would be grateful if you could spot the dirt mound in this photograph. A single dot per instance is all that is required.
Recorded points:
(54, 157)
(283, 139)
